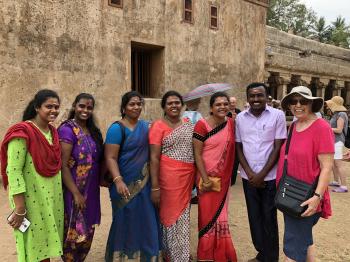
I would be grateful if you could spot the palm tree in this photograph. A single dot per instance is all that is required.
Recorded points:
(340, 32)
(321, 31)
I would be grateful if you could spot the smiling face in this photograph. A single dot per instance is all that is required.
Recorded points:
(257, 99)
(220, 107)
(173, 107)
(49, 110)
(83, 109)
(133, 108)
(300, 107)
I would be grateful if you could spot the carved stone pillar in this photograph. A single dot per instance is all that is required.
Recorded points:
(347, 88)
(306, 80)
(340, 86)
(283, 83)
(321, 90)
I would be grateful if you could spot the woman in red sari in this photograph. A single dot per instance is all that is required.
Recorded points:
(214, 142)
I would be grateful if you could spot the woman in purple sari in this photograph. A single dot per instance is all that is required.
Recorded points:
(81, 142)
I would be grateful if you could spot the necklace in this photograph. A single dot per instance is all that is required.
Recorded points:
(174, 124)
(42, 130)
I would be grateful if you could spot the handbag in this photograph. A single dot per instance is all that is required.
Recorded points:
(216, 183)
(291, 192)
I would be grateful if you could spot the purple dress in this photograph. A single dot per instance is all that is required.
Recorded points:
(79, 226)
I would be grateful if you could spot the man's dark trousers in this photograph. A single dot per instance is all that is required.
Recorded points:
(262, 215)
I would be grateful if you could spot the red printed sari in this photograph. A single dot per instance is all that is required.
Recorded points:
(214, 238)
(176, 177)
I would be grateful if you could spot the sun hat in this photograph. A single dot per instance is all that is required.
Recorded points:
(336, 104)
(317, 102)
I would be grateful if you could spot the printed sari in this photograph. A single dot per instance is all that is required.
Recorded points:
(214, 238)
(176, 177)
(134, 234)
(79, 225)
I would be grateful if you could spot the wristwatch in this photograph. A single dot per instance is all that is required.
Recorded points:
(318, 195)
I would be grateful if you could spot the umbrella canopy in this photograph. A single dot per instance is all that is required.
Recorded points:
(206, 90)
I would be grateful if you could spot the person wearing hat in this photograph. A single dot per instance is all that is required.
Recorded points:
(339, 124)
(310, 157)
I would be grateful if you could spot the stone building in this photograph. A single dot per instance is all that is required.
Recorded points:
(107, 47)
(292, 60)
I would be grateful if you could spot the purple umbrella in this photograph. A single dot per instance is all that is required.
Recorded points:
(206, 90)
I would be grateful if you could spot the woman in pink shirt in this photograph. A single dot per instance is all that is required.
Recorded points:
(310, 156)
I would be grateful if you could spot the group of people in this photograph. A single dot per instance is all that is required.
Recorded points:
(150, 169)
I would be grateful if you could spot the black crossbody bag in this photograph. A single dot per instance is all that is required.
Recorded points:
(291, 192)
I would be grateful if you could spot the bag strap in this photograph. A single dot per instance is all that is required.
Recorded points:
(285, 163)
(288, 140)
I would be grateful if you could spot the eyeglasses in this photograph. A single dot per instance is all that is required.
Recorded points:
(301, 101)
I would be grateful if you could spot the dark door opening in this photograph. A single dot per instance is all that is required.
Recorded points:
(147, 69)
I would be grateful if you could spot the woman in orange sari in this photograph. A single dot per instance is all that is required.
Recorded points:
(213, 141)
(172, 176)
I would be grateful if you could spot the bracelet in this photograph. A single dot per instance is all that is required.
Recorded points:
(117, 178)
(155, 189)
(318, 195)
(25, 212)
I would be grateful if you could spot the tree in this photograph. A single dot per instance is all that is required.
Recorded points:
(291, 16)
(340, 33)
(321, 32)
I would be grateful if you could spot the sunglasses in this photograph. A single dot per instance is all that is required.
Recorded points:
(301, 101)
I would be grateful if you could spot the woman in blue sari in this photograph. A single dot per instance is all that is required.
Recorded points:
(134, 232)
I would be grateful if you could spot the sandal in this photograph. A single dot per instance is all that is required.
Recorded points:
(340, 190)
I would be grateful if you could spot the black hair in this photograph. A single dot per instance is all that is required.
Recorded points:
(40, 97)
(171, 93)
(90, 122)
(126, 98)
(255, 85)
(216, 95)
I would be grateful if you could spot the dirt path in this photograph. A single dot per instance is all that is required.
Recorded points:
(332, 236)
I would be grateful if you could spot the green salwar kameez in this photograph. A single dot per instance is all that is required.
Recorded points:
(44, 204)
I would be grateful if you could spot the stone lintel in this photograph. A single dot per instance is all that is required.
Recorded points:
(264, 3)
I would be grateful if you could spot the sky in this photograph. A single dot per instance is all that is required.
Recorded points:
(330, 9)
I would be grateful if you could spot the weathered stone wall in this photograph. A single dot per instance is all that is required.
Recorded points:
(74, 46)
(285, 54)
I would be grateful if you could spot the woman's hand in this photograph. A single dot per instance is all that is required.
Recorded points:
(122, 189)
(15, 220)
(312, 204)
(79, 200)
(155, 198)
(207, 184)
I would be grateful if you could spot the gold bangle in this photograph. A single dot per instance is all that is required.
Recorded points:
(25, 212)
(155, 189)
(117, 178)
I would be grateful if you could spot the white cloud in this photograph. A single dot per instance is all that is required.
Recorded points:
(330, 9)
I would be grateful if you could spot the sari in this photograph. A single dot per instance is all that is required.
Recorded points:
(176, 177)
(79, 225)
(214, 238)
(134, 233)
